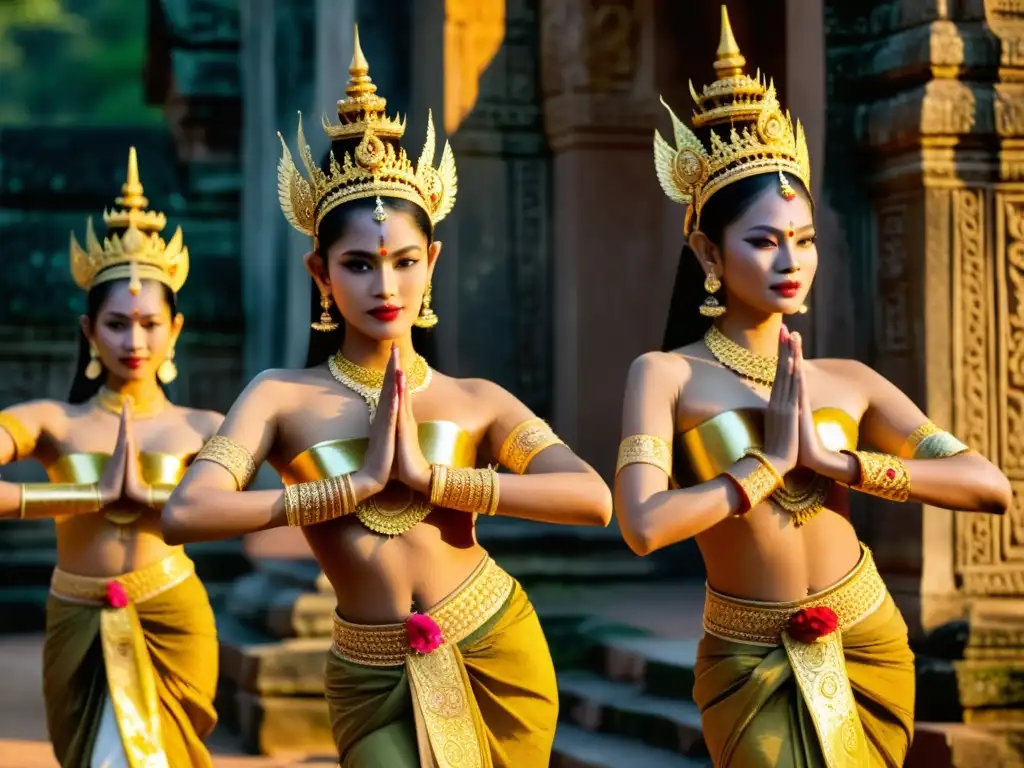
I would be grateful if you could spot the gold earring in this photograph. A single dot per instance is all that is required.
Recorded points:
(95, 368)
(168, 371)
(803, 309)
(326, 324)
(427, 318)
(711, 307)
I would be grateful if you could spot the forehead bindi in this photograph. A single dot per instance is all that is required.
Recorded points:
(772, 210)
(149, 302)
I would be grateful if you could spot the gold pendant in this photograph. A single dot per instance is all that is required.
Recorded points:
(393, 520)
(367, 383)
(803, 504)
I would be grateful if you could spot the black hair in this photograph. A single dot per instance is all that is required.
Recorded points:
(82, 387)
(685, 324)
(324, 344)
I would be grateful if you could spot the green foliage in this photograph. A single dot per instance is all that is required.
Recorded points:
(73, 62)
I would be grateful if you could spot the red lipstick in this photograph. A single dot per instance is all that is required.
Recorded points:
(386, 312)
(133, 363)
(787, 289)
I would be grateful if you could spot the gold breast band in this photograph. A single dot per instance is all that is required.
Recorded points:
(139, 585)
(854, 598)
(475, 601)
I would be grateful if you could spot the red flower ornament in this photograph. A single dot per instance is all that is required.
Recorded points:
(809, 625)
(423, 633)
(116, 595)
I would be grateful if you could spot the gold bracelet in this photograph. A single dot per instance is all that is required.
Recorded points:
(755, 487)
(644, 449)
(762, 458)
(319, 500)
(235, 458)
(57, 499)
(23, 441)
(524, 442)
(881, 475)
(467, 490)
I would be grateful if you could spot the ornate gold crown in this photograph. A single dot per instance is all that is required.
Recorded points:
(373, 169)
(138, 253)
(767, 143)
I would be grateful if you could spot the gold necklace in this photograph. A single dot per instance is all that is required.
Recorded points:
(113, 402)
(367, 383)
(803, 504)
(396, 520)
(740, 360)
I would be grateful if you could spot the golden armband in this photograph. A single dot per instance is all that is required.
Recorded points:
(645, 449)
(319, 500)
(524, 442)
(757, 486)
(56, 499)
(930, 442)
(23, 441)
(235, 458)
(882, 475)
(467, 490)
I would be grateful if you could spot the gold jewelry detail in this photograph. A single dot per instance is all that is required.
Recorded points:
(882, 475)
(711, 306)
(158, 495)
(757, 486)
(930, 442)
(138, 253)
(367, 383)
(167, 371)
(427, 318)
(94, 368)
(756, 136)
(524, 442)
(375, 168)
(740, 360)
(644, 449)
(761, 458)
(235, 458)
(56, 499)
(319, 500)
(802, 504)
(467, 490)
(379, 214)
(113, 402)
(326, 323)
(853, 599)
(140, 585)
(393, 521)
(23, 441)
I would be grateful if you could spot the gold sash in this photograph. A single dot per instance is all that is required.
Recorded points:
(131, 682)
(448, 722)
(819, 667)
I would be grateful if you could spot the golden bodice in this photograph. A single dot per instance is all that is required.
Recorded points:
(157, 468)
(442, 442)
(708, 449)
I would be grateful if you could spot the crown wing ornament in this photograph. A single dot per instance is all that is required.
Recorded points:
(135, 249)
(755, 136)
(377, 167)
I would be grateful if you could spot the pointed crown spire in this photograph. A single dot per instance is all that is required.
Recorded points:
(377, 167)
(133, 247)
(749, 135)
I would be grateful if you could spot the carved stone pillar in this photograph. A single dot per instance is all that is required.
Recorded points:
(934, 212)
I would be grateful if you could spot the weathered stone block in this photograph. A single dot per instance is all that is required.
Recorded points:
(271, 725)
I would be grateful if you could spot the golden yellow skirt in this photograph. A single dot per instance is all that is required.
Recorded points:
(486, 697)
(155, 657)
(845, 701)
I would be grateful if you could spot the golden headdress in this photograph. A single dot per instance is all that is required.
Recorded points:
(760, 139)
(138, 253)
(374, 169)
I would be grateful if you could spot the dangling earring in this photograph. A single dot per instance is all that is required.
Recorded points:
(711, 307)
(95, 368)
(803, 309)
(326, 324)
(427, 318)
(168, 371)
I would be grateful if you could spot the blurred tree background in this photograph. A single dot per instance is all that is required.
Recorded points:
(65, 62)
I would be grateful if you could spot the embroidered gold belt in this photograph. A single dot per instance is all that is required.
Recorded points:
(138, 585)
(475, 601)
(853, 599)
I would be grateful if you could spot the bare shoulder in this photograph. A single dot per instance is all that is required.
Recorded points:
(660, 370)
(481, 391)
(45, 414)
(205, 422)
(846, 368)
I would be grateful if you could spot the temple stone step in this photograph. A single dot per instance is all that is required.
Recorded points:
(620, 709)
(579, 748)
(661, 666)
